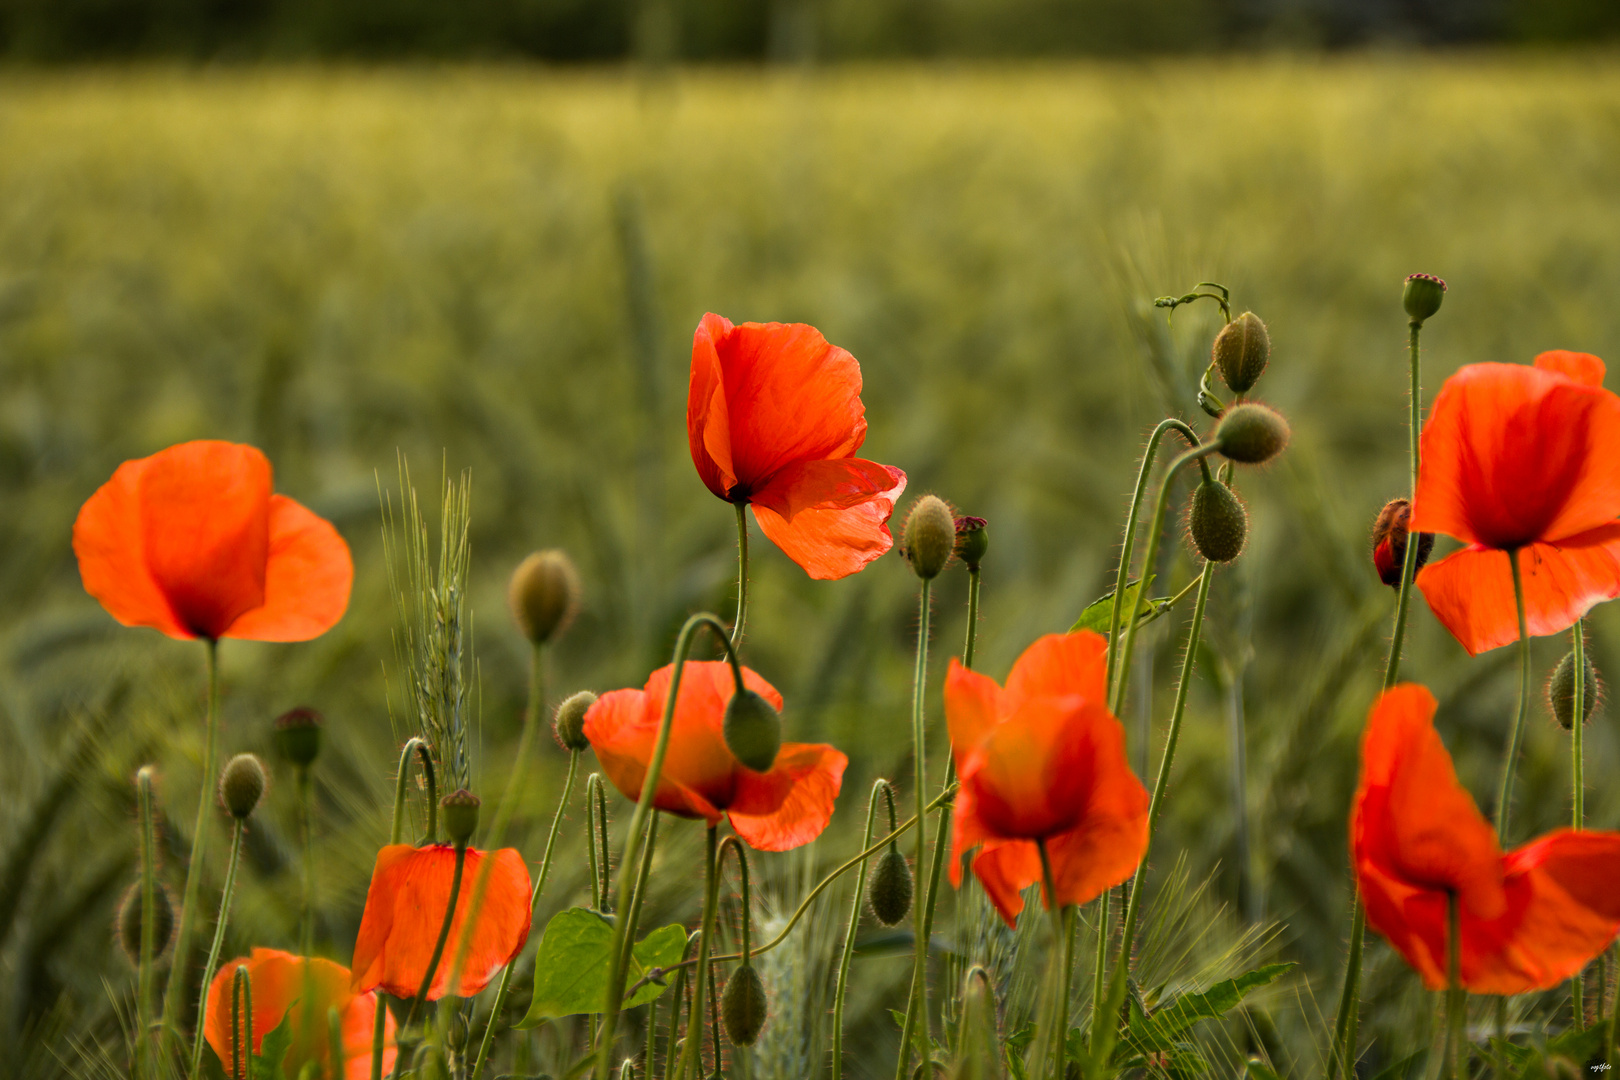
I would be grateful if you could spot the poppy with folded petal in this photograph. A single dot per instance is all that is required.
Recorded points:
(192, 542)
(774, 417)
(284, 987)
(405, 906)
(1521, 458)
(701, 778)
(1043, 759)
(1529, 918)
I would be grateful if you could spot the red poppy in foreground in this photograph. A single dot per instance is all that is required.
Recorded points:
(1529, 918)
(774, 417)
(190, 541)
(1521, 458)
(701, 778)
(283, 988)
(1043, 759)
(410, 890)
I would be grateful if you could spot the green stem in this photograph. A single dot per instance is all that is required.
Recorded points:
(242, 1024)
(649, 845)
(1456, 996)
(1063, 944)
(848, 953)
(417, 748)
(691, 1051)
(438, 946)
(1578, 788)
(1504, 798)
(144, 1066)
(742, 573)
(334, 1042)
(306, 925)
(678, 997)
(219, 942)
(593, 799)
(191, 896)
(972, 619)
(916, 1023)
(1099, 967)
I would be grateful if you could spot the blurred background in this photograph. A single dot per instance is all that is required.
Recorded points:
(220, 221)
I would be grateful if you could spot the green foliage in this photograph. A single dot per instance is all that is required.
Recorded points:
(571, 968)
(267, 1064)
(1097, 614)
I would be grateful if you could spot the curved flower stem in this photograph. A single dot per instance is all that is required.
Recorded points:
(144, 1066)
(916, 1025)
(419, 749)
(1456, 996)
(1577, 986)
(878, 786)
(742, 573)
(1504, 799)
(213, 950)
(306, 925)
(438, 946)
(691, 1052)
(191, 897)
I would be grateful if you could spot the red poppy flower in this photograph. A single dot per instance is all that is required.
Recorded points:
(1043, 759)
(283, 987)
(1522, 458)
(410, 889)
(774, 417)
(190, 541)
(701, 778)
(1529, 919)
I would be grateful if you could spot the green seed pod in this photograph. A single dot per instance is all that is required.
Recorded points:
(241, 785)
(459, 812)
(753, 730)
(890, 892)
(569, 725)
(544, 595)
(298, 736)
(129, 922)
(971, 541)
(1422, 296)
(1251, 434)
(929, 536)
(743, 1005)
(1561, 691)
(1217, 524)
(1242, 350)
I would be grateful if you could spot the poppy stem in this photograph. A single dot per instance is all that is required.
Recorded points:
(879, 786)
(1577, 987)
(1062, 923)
(678, 997)
(143, 1000)
(219, 942)
(242, 1023)
(972, 619)
(596, 813)
(417, 747)
(1504, 799)
(1456, 996)
(438, 947)
(306, 927)
(916, 1025)
(742, 573)
(334, 1042)
(692, 1050)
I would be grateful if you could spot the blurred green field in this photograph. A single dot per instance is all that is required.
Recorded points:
(500, 269)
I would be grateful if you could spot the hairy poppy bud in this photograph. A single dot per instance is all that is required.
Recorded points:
(891, 889)
(459, 811)
(1241, 351)
(743, 1005)
(298, 736)
(1217, 524)
(753, 730)
(971, 541)
(929, 536)
(1389, 542)
(1561, 690)
(569, 726)
(1251, 434)
(241, 785)
(129, 921)
(1422, 296)
(544, 595)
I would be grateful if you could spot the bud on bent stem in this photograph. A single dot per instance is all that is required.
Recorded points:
(569, 724)
(1241, 351)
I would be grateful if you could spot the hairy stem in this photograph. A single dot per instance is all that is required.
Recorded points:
(916, 1023)
(1577, 986)
(213, 950)
(691, 1051)
(1504, 798)
(438, 946)
(742, 573)
(144, 1066)
(849, 934)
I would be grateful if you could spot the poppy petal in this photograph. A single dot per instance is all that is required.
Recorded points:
(1059, 664)
(1005, 868)
(1108, 845)
(834, 484)
(108, 541)
(1582, 367)
(307, 578)
(1033, 775)
(970, 706)
(835, 542)
(790, 805)
(708, 422)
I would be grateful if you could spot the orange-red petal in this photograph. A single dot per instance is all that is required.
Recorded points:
(1004, 869)
(790, 805)
(972, 706)
(307, 578)
(834, 542)
(1582, 367)
(1058, 664)
(109, 542)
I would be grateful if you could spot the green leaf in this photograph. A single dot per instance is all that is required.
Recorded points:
(1158, 1031)
(273, 1049)
(1100, 610)
(1579, 1046)
(571, 968)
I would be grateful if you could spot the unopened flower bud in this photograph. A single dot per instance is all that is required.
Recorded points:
(129, 921)
(1389, 542)
(1251, 434)
(1242, 350)
(298, 736)
(1422, 296)
(753, 730)
(241, 785)
(1561, 690)
(1217, 524)
(544, 595)
(971, 541)
(929, 536)
(743, 1006)
(455, 1033)
(459, 812)
(891, 889)
(569, 725)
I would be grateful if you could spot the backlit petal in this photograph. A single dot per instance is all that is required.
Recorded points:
(708, 424)
(109, 542)
(971, 701)
(307, 578)
(790, 805)
(1060, 664)
(1004, 869)
(835, 542)
(1582, 367)
(832, 484)
(1033, 774)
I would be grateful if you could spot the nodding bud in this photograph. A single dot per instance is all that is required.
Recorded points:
(1217, 524)
(753, 730)
(1389, 542)
(241, 785)
(1422, 296)
(569, 725)
(298, 736)
(1251, 434)
(129, 921)
(1242, 350)
(459, 812)
(929, 536)
(743, 1005)
(544, 595)
(971, 541)
(891, 889)
(1561, 690)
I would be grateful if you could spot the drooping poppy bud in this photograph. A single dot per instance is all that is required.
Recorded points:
(1422, 296)
(298, 736)
(569, 726)
(544, 595)
(1242, 350)
(241, 785)
(459, 812)
(1561, 690)
(971, 541)
(743, 1006)
(752, 730)
(129, 921)
(1251, 434)
(1389, 542)
(1217, 524)
(891, 890)
(929, 536)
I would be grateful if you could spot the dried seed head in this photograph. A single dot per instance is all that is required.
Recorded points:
(1561, 690)
(241, 785)
(753, 730)
(743, 1006)
(1251, 434)
(929, 536)
(1389, 542)
(459, 812)
(129, 921)
(1217, 524)
(569, 725)
(890, 892)
(971, 541)
(1242, 350)
(544, 595)
(1422, 296)
(298, 736)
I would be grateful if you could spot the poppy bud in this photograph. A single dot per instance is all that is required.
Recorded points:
(890, 893)
(1251, 434)
(1422, 296)
(129, 922)
(752, 729)
(1389, 542)
(1217, 524)
(459, 812)
(1241, 351)
(544, 595)
(569, 726)
(455, 1034)
(298, 736)
(743, 1005)
(1561, 690)
(971, 541)
(929, 536)
(241, 785)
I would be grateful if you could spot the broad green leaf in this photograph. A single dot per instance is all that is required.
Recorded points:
(267, 1063)
(1581, 1046)
(1099, 611)
(571, 968)
(1157, 1032)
